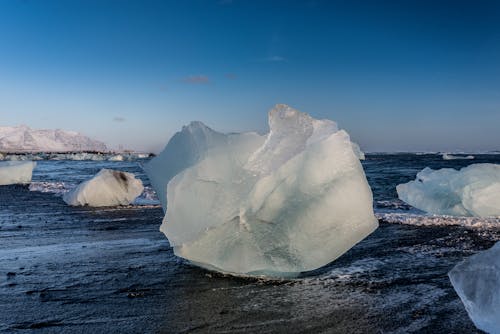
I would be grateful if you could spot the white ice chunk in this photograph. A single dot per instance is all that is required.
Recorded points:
(106, 188)
(16, 172)
(117, 157)
(278, 205)
(477, 282)
(183, 150)
(447, 156)
(472, 191)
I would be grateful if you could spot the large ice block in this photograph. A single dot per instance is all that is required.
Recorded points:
(106, 188)
(16, 172)
(472, 191)
(276, 205)
(477, 282)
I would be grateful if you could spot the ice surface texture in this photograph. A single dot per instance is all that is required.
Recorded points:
(477, 282)
(15, 172)
(106, 188)
(472, 191)
(291, 201)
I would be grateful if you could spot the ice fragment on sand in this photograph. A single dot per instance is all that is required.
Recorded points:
(472, 191)
(277, 205)
(477, 282)
(15, 172)
(106, 188)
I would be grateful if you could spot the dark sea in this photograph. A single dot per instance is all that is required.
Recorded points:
(110, 270)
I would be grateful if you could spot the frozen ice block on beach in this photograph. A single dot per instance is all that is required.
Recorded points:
(106, 188)
(16, 172)
(183, 150)
(472, 191)
(276, 205)
(117, 157)
(477, 282)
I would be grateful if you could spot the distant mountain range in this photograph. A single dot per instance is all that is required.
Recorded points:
(24, 139)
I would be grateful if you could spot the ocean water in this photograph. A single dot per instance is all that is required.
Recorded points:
(80, 270)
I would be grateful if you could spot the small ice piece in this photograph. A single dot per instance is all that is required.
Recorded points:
(447, 156)
(16, 172)
(472, 191)
(107, 188)
(274, 205)
(477, 282)
(117, 157)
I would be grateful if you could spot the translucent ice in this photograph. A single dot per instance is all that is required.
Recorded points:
(106, 188)
(276, 205)
(472, 191)
(15, 172)
(477, 282)
(183, 150)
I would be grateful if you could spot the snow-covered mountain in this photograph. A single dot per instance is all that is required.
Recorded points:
(24, 139)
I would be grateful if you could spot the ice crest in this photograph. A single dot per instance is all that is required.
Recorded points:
(107, 188)
(472, 191)
(275, 205)
(289, 133)
(16, 172)
(477, 282)
(183, 150)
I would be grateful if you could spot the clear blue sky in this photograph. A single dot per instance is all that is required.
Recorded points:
(398, 75)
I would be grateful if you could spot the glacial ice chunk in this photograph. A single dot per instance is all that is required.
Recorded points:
(472, 191)
(477, 282)
(275, 205)
(183, 150)
(16, 172)
(117, 157)
(107, 188)
(447, 156)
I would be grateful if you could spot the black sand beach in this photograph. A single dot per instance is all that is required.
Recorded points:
(80, 270)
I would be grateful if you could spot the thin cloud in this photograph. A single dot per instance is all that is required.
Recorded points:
(119, 119)
(273, 59)
(230, 76)
(276, 58)
(196, 79)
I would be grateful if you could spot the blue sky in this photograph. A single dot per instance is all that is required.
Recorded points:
(397, 75)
